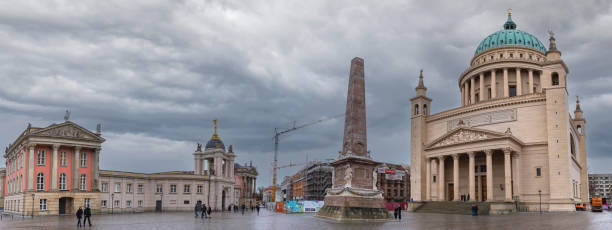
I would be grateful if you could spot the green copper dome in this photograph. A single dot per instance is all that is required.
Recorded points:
(510, 36)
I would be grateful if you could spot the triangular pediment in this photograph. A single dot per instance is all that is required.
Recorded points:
(68, 130)
(464, 135)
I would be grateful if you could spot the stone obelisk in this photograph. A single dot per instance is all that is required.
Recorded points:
(353, 195)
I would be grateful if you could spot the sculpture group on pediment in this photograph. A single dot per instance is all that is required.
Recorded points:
(66, 132)
(461, 137)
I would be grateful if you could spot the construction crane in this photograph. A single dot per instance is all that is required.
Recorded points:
(277, 134)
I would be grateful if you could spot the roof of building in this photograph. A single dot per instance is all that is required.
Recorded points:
(510, 36)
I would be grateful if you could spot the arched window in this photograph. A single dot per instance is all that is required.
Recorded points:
(83, 182)
(416, 109)
(424, 109)
(40, 181)
(579, 129)
(62, 181)
(41, 157)
(555, 78)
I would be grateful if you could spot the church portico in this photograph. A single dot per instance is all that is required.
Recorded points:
(485, 170)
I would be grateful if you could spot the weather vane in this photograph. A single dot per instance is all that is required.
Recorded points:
(509, 11)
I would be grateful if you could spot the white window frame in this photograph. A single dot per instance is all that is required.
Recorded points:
(83, 182)
(62, 181)
(159, 188)
(41, 157)
(140, 188)
(87, 202)
(199, 189)
(43, 204)
(103, 204)
(128, 203)
(128, 188)
(83, 160)
(104, 187)
(63, 159)
(172, 188)
(40, 182)
(187, 188)
(117, 203)
(117, 187)
(140, 203)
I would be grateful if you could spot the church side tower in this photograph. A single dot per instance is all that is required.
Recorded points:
(554, 84)
(580, 123)
(420, 105)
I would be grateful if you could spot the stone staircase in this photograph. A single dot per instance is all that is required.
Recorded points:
(453, 207)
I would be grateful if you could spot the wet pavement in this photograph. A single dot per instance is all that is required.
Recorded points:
(268, 220)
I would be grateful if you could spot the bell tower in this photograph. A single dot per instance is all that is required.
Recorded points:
(580, 123)
(420, 110)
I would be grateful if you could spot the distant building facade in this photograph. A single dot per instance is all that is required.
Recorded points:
(394, 181)
(318, 179)
(246, 178)
(54, 170)
(600, 185)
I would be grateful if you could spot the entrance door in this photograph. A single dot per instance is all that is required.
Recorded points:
(158, 205)
(223, 200)
(477, 195)
(62, 205)
(65, 205)
(451, 192)
(484, 187)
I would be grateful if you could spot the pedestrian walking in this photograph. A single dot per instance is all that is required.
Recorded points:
(399, 213)
(87, 216)
(197, 209)
(242, 208)
(395, 213)
(209, 210)
(258, 210)
(79, 215)
(203, 210)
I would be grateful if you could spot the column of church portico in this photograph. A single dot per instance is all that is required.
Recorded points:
(493, 84)
(482, 87)
(441, 179)
(515, 175)
(428, 179)
(507, 175)
(531, 81)
(31, 167)
(75, 168)
(489, 160)
(54, 168)
(506, 93)
(466, 93)
(472, 192)
(456, 177)
(472, 91)
(519, 82)
(95, 169)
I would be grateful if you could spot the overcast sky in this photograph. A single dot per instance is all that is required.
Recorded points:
(156, 73)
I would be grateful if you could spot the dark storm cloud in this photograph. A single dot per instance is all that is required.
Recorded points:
(156, 73)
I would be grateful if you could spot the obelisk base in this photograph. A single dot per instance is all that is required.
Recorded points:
(351, 204)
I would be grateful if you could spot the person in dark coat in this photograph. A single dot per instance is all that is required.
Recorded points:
(79, 215)
(243, 207)
(209, 210)
(87, 216)
(399, 213)
(204, 210)
(257, 207)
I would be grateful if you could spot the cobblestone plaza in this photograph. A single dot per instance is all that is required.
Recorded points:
(268, 220)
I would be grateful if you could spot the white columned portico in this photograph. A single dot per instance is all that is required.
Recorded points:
(31, 167)
(507, 174)
(471, 176)
(54, 167)
(489, 159)
(428, 179)
(456, 177)
(441, 179)
(506, 93)
(493, 85)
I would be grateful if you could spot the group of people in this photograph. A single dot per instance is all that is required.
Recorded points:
(242, 208)
(86, 213)
(201, 208)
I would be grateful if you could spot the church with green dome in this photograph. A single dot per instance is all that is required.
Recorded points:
(512, 141)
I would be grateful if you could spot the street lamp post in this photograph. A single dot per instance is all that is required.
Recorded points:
(112, 203)
(540, 193)
(33, 205)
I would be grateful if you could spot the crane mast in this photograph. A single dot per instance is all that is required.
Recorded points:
(276, 139)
